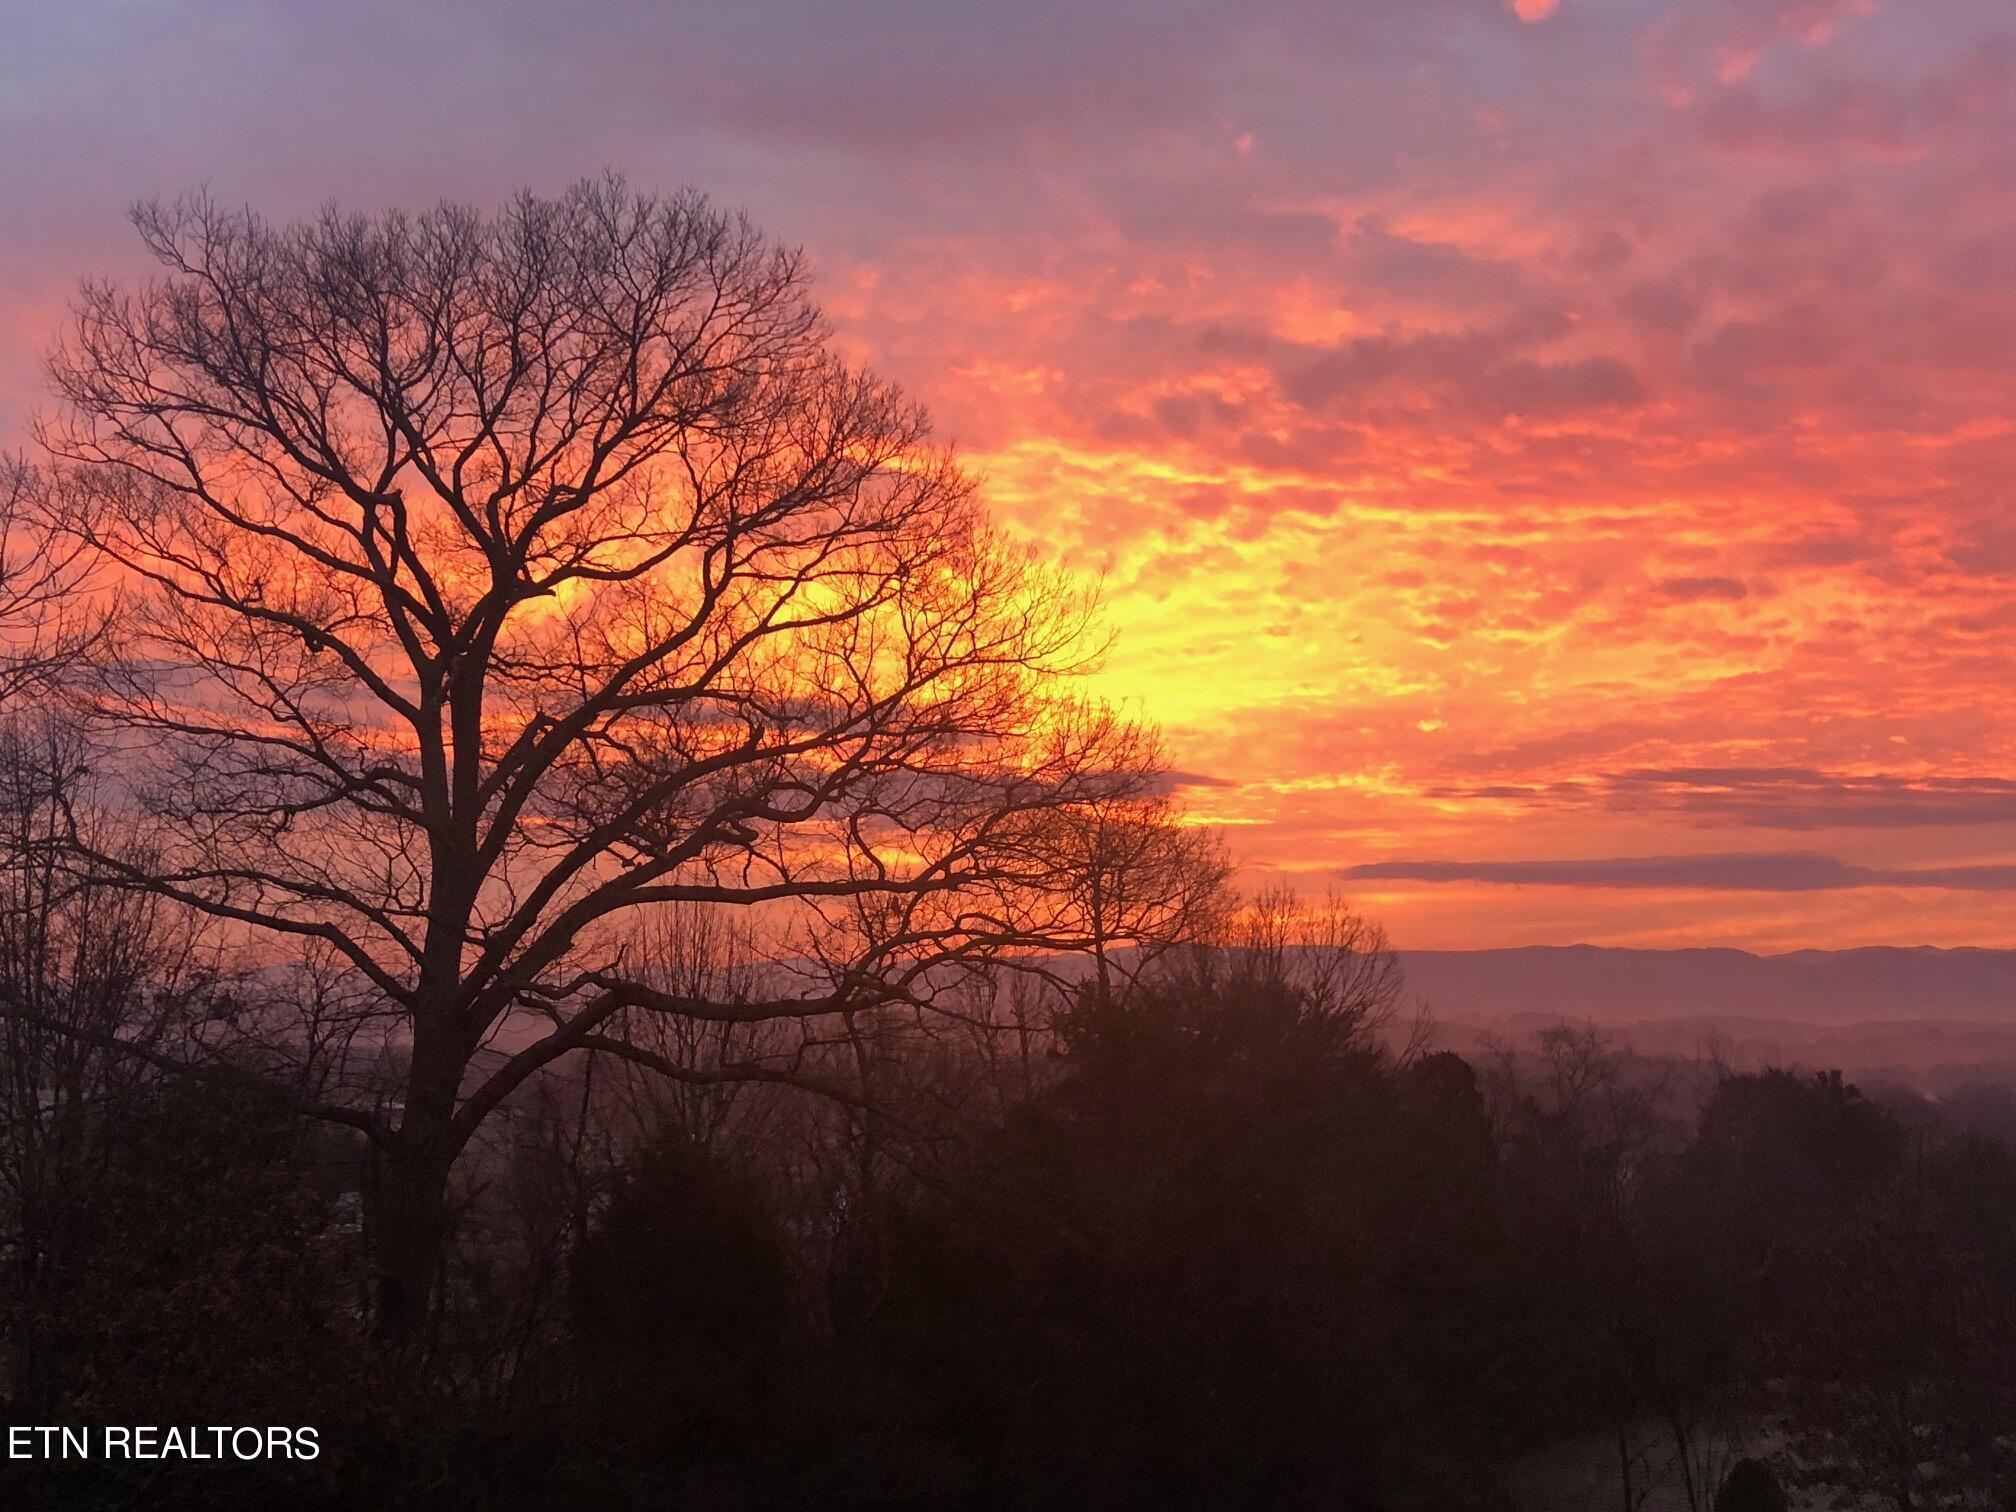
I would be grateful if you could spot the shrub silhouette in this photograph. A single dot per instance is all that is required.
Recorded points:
(1750, 1487)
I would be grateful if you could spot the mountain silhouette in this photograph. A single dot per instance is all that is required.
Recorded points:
(1605, 984)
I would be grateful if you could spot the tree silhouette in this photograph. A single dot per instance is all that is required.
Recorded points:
(495, 577)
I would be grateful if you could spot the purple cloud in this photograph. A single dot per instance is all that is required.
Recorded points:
(1766, 871)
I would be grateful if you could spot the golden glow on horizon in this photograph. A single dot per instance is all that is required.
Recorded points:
(1410, 627)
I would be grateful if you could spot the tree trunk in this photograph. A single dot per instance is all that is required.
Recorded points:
(412, 1227)
(412, 1206)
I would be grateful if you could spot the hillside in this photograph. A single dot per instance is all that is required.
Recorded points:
(1833, 987)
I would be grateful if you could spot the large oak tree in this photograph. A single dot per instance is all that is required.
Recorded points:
(493, 577)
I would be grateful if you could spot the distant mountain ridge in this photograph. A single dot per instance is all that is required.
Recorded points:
(1609, 984)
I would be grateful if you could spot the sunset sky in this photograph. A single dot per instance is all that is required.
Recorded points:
(1552, 461)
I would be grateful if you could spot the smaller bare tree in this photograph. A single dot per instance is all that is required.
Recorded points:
(49, 615)
(92, 986)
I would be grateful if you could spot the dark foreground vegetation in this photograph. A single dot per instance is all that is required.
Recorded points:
(1221, 1239)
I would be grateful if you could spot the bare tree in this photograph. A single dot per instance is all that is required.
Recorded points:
(91, 982)
(1139, 877)
(498, 576)
(1338, 961)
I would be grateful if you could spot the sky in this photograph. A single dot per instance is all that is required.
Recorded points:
(1551, 462)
